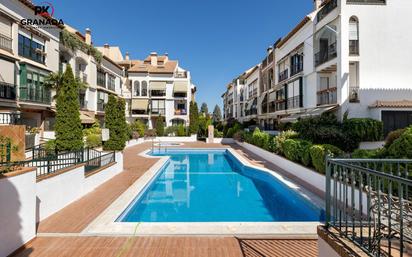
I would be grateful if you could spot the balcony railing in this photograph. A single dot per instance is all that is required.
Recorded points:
(296, 68)
(283, 75)
(6, 43)
(329, 7)
(9, 118)
(181, 74)
(369, 203)
(353, 94)
(280, 105)
(294, 102)
(326, 55)
(35, 95)
(180, 112)
(327, 96)
(353, 47)
(7, 91)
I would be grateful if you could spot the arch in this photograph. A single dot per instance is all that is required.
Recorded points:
(353, 35)
(144, 88)
(136, 89)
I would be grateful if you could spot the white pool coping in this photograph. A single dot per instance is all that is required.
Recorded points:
(105, 223)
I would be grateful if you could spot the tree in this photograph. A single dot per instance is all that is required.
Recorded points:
(68, 127)
(160, 126)
(193, 118)
(204, 109)
(55, 81)
(115, 121)
(217, 114)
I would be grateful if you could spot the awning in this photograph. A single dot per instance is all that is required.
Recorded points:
(86, 119)
(180, 87)
(157, 85)
(140, 104)
(308, 113)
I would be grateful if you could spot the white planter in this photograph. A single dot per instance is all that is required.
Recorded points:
(371, 145)
(221, 140)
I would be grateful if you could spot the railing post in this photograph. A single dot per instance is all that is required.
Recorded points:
(327, 193)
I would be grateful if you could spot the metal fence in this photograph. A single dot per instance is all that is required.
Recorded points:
(49, 162)
(370, 203)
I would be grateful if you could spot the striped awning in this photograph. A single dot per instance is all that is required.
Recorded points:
(140, 104)
(86, 119)
(157, 85)
(180, 87)
(272, 96)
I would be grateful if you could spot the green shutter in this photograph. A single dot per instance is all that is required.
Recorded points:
(23, 82)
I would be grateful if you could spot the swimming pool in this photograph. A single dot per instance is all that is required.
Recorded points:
(214, 186)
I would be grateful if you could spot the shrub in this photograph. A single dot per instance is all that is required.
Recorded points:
(115, 121)
(50, 146)
(139, 127)
(95, 129)
(363, 129)
(150, 133)
(94, 140)
(318, 154)
(231, 131)
(297, 150)
(219, 134)
(369, 154)
(402, 147)
(281, 138)
(247, 137)
(260, 139)
(171, 131)
(392, 136)
(181, 130)
(160, 126)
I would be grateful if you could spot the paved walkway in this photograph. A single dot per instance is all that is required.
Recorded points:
(75, 218)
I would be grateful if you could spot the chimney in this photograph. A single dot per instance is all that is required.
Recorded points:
(317, 4)
(153, 58)
(88, 36)
(269, 49)
(166, 57)
(127, 56)
(106, 49)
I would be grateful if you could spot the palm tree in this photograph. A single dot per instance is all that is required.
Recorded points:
(55, 80)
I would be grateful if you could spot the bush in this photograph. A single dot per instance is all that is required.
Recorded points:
(115, 121)
(181, 131)
(369, 154)
(231, 131)
(363, 129)
(297, 150)
(171, 131)
(392, 136)
(318, 154)
(402, 147)
(160, 126)
(94, 140)
(219, 134)
(50, 146)
(260, 139)
(139, 127)
(150, 133)
(281, 138)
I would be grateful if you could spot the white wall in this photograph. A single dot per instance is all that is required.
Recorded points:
(17, 211)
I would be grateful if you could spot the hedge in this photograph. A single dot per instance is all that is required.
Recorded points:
(318, 154)
(369, 154)
(94, 140)
(297, 150)
(364, 129)
(281, 138)
(402, 147)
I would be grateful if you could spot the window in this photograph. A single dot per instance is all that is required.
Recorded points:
(280, 103)
(111, 85)
(101, 78)
(32, 87)
(353, 36)
(296, 62)
(158, 107)
(136, 89)
(252, 89)
(293, 94)
(326, 91)
(158, 93)
(31, 49)
(144, 88)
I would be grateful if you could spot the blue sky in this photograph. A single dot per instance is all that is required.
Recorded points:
(215, 40)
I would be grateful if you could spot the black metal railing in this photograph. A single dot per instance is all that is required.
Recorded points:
(283, 75)
(7, 91)
(369, 202)
(37, 95)
(296, 68)
(327, 96)
(50, 161)
(328, 8)
(294, 102)
(353, 47)
(280, 105)
(6, 43)
(326, 54)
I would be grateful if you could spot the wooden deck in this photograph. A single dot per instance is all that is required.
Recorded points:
(73, 219)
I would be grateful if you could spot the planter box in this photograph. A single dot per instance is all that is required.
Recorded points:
(17, 209)
(303, 173)
(221, 141)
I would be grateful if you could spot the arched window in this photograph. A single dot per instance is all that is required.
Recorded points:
(353, 36)
(136, 91)
(144, 88)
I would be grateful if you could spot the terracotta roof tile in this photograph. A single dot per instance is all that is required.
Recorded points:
(392, 104)
(142, 66)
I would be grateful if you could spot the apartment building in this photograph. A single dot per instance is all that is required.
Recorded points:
(342, 58)
(157, 86)
(27, 55)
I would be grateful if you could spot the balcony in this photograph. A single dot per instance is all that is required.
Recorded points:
(327, 96)
(326, 55)
(180, 74)
(326, 9)
(180, 112)
(293, 102)
(280, 105)
(35, 95)
(9, 118)
(82, 76)
(158, 111)
(296, 68)
(283, 75)
(7, 91)
(353, 47)
(6, 43)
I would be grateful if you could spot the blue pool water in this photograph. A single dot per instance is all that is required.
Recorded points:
(213, 186)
